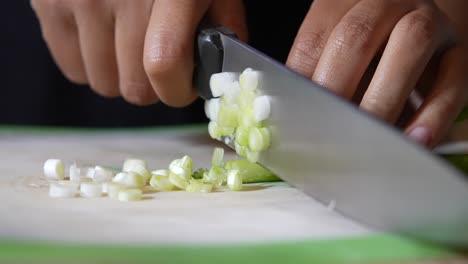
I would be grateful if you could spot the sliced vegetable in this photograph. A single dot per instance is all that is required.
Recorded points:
(75, 173)
(63, 189)
(198, 174)
(259, 139)
(90, 189)
(219, 81)
(161, 183)
(113, 190)
(177, 180)
(234, 180)
(217, 159)
(212, 108)
(249, 79)
(130, 163)
(138, 168)
(215, 176)
(182, 167)
(102, 174)
(199, 186)
(250, 172)
(240, 150)
(129, 179)
(130, 195)
(242, 136)
(54, 169)
(261, 108)
(228, 116)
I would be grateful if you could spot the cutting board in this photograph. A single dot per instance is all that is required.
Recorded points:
(272, 220)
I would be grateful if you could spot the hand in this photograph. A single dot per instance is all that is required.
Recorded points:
(142, 50)
(339, 41)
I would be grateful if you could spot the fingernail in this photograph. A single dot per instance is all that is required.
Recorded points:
(422, 135)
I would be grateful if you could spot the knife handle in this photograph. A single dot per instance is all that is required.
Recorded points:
(209, 53)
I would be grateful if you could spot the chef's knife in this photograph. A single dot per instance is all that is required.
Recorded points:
(336, 153)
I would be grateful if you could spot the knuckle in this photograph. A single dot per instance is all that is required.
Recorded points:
(162, 57)
(422, 24)
(306, 52)
(353, 32)
(137, 93)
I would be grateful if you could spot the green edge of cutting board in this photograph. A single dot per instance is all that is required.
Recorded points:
(346, 250)
(372, 248)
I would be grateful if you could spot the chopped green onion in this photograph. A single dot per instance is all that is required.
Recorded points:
(246, 98)
(75, 173)
(90, 189)
(215, 176)
(160, 173)
(198, 174)
(228, 115)
(138, 168)
(130, 179)
(234, 180)
(213, 130)
(261, 108)
(217, 159)
(199, 186)
(130, 163)
(231, 93)
(182, 167)
(102, 174)
(218, 82)
(250, 172)
(240, 150)
(242, 135)
(161, 183)
(252, 156)
(113, 190)
(178, 181)
(54, 169)
(249, 79)
(63, 189)
(129, 195)
(259, 139)
(247, 118)
(212, 108)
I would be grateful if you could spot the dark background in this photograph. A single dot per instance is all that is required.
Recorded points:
(34, 92)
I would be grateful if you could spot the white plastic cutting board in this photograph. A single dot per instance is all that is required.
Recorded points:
(262, 212)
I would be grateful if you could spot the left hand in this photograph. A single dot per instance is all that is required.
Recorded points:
(339, 39)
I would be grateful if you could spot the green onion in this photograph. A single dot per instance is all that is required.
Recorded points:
(129, 195)
(249, 79)
(234, 180)
(161, 183)
(199, 186)
(113, 190)
(250, 172)
(215, 176)
(240, 150)
(259, 139)
(228, 115)
(177, 180)
(217, 159)
(242, 136)
(198, 174)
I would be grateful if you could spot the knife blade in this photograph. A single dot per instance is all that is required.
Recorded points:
(334, 152)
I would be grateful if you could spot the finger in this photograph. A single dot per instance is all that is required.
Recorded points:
(412, 44)
(230, 14)
(61, 35)
(168, 52)
(96, 33)
(354, 42)
(444, 102)
(130, 28)
(313, 34)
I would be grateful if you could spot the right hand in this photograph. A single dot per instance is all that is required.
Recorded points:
(141, 50)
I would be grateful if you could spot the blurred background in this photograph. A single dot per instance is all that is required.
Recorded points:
(34, 92)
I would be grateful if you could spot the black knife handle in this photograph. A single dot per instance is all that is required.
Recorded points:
(209, 54)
